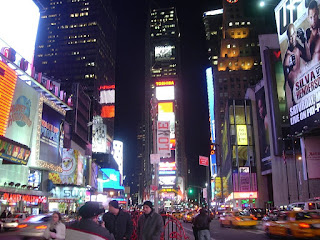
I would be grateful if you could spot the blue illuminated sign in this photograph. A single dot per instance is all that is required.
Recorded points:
(111, 178)
(167, 172)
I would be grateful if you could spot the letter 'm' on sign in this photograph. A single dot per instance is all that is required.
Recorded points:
(163, 139)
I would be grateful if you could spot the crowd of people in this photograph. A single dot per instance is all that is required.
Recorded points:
(116, 225)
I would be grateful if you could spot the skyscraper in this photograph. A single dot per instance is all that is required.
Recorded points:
(163, 82)
(237, 64)
(76, 43)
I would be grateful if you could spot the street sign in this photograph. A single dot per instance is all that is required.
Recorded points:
(204, 161)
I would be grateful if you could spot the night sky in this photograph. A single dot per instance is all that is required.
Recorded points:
(132, 20)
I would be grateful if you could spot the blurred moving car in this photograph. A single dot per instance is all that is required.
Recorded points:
(178, 215)
(13, 221)
(259, 213)
(298, 224)
(188, 216)
(34, 226)
(313, 205)
(237, 219)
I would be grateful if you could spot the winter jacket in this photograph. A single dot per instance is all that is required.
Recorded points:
(119, 225)
(202, 222)
(86, 229)
(60, 230)
(151, 227)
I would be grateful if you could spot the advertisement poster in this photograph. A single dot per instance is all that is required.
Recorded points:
(297, 25)
(50, 135)
(13, 152)
(99, 135)
(263, 130)
(72, 168)
(313, 157)
(163, 138)
(22, 114)
(111, 178)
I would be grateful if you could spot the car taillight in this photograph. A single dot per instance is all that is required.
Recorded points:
(238, 219)
(22, 225)
(304, 225)
(41, 227)
(254, 218)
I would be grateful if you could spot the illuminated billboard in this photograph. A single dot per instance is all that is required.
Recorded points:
(163, 138)
(165, 83)
(168, 116)
(108, 111)
(23, 113)
(118, 154)
(51, 133)
(20, 34)
(72, 168)
(163, 53)
(99, 135)
(242, 136)
(297, 24)
(165, 107)
(167, 166)
(167, 180)
(165, 93)
(8, 80)
(111, 178)
(107, 94)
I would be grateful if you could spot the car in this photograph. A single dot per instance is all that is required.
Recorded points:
(297, 224)
(313, 205)
(177, 215)
(237, 219)
(34, 226)
(188, 216)
(259, 213)
(13, 221)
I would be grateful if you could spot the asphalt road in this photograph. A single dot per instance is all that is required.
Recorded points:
(217, 233)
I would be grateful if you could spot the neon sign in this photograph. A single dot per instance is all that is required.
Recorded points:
(165, 83)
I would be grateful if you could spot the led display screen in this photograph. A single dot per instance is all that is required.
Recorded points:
(107, 96)
(165, 107)
(167, 180)
(99, 135)
(167, 172)
(297, 24)
(165, 83)
(167, 166)
(118, 154)
(163, 53)
(108, 111)
(165, 93)
(111, 178)
(19, 26)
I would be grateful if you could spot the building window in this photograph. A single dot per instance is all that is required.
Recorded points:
(228, 46)
(230, 24)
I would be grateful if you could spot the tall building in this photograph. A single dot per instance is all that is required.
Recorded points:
(236, 65)
(163, 83)
(76, 43)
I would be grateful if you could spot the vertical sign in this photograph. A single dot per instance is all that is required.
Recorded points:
(204, 161)
(163, 138)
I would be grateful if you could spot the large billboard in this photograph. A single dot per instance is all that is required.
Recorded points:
(50, 135)
(23, 113)
(297, 25)
(72, 168)
(20, 34)
(99, 135)
(163, 53)
(163, 138)
(118, 154)
(107, 94)
(111, 178)
(165, 93)
(263, 129)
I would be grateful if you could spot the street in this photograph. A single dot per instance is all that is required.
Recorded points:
(218, 233)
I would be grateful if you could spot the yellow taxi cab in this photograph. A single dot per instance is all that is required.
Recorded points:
(177, 215)
(298, 224)
(237, 219)
(188, 216)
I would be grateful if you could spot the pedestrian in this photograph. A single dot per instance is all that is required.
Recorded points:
(4, 214)
(202, 225)
(150, 223)
(88, 227)
(118, 222)
(55, 229)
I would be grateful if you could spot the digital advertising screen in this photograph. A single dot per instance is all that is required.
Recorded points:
(163, 53)
(99, 135)
(107, 94)
(167, 166)
(111, 178)
(118, 154)
(168, 116)
(108, 111)
(165, 93)
(20, 34)
(297, 25)
(167, 180)
(50, 135)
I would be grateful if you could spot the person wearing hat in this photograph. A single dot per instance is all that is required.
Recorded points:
(88, 227)
(150, 224)
(118, 222)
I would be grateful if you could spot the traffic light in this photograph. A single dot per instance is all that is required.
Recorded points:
(190, 190)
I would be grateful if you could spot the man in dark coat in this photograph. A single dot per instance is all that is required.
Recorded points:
(118, 222)
(150, 224)
(202, 224)
(88, 225)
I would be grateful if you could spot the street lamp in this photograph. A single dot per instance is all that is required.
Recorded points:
(262, 4)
